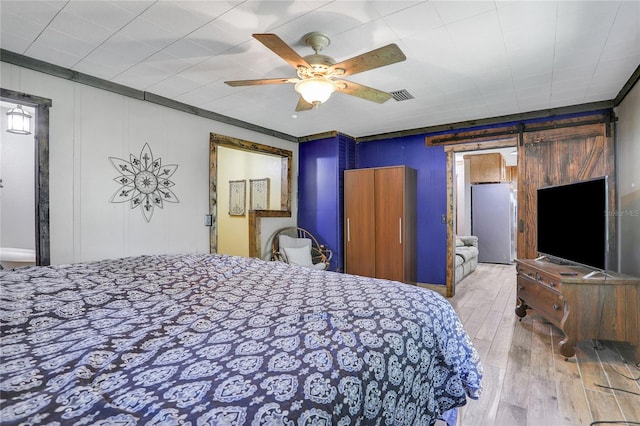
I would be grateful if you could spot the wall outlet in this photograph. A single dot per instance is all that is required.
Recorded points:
(208, 220)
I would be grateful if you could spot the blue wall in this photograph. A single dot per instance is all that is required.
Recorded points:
(322, 164)
(431, 164)
(320, 191)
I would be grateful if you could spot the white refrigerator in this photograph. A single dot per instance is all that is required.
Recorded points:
(493, 221)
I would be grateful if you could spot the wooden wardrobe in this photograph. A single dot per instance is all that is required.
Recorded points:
(380, 222)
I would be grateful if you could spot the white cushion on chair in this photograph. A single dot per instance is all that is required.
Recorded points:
(299, 255)
(286, 241)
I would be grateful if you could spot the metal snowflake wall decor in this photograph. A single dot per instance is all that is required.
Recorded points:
(145, 182)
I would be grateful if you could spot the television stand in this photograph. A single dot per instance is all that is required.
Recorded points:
(580, 303)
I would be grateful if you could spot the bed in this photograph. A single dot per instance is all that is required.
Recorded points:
(207, 339)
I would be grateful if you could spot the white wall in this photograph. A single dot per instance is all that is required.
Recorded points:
(89, 125)
(628, 182)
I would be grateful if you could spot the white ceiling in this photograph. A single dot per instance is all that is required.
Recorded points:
(466, 60)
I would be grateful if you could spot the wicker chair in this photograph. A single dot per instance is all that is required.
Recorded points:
(298, 246)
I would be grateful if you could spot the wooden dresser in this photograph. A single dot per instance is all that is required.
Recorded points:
(582, 306)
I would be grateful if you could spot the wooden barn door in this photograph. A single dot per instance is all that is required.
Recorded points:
(560, 156)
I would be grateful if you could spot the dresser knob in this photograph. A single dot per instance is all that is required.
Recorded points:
(556, 307)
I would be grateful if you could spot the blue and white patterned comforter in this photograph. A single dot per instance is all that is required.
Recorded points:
(220, 340)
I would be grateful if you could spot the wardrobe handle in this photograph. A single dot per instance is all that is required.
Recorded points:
(400, 223)
(348, 231)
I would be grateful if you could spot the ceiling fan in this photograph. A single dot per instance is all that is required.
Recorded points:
(319, 75)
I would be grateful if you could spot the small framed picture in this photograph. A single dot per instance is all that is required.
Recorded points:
(259, 194)
(237, 197)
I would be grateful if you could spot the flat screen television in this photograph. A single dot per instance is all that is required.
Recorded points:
(572, 223)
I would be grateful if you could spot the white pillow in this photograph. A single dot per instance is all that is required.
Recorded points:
(299, 256)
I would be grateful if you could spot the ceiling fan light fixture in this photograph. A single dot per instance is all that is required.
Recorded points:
(18, 121)
(316, 90)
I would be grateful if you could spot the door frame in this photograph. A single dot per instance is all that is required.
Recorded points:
(451, 150)
(255, 236)
(41, 166)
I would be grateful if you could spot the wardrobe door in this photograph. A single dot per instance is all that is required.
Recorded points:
(359, 222)
(390, 223)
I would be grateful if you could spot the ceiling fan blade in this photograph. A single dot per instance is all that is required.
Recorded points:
(386, 55)
(236, 83)
(364, 92)
(282, 49)
(303, 105)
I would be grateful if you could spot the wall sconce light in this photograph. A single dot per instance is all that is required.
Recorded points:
(315, 90)
(19, 121)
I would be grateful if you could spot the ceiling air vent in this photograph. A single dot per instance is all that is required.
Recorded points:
(401, 95)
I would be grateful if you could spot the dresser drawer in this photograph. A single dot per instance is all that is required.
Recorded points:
(546, 280)
(541, 298)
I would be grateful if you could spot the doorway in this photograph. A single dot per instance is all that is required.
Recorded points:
(509, 142)
(282, 209)
(486, 201)
(25, 204)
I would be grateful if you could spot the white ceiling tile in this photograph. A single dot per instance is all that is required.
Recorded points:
(389, 8)
(621, 50)
(41, 51)
(103, 69)
(78, 28)
(38, 12)
(218, 37)
(266, 16)
(211, 70)
(188, 49)
(522, 81)
(414, 20)
(173, 87)
(601, 90)
(131, 7)
(73, 48)
(208, 10)
(574, 75)
(527, 16)
(540, 92)
(17, 33)
(614, 70)
(108, 62)
(455, 11)
(130, 47)
(173, 19)
(465, 59)
(478, 40)
(626, 27)
(14, 43)
(583, 26)
(92, 21)
(143, 75)
(578, 57)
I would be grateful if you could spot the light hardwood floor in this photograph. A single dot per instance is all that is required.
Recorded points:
(526, 381)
